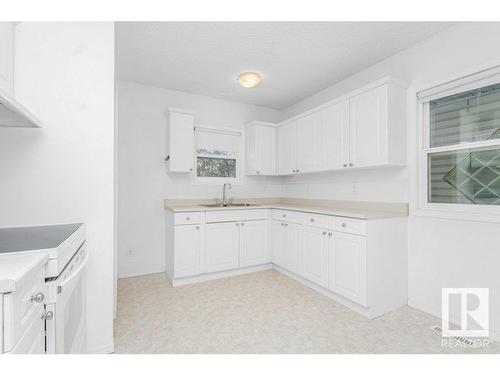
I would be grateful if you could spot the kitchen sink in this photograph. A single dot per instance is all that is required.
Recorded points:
(229, 205)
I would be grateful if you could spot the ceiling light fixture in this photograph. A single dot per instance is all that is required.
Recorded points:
(249, 79)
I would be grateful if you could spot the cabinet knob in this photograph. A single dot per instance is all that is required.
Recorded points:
(312, 220)
(190, 169)
(48, 315)
(197, 227)
(38, 298)
(324, 233)
(283, 215)
(242, 224)
(330, 234)
(345, 165)
(298, 171)
(351, 164)
(344, 225)
(188, 218)
(258, 172)
(237, 224)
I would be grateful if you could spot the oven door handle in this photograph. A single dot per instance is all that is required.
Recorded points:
(74, 274)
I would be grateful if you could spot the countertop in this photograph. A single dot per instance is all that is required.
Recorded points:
(357, 210)
(13, 267)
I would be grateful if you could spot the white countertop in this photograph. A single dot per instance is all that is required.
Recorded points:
(358, 212)
(13, 267)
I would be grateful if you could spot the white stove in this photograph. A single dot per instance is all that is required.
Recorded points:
(65, 295)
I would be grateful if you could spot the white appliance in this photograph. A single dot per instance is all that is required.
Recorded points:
(65, 298)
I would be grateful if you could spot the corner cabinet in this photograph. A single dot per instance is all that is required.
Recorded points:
(260, 149)
(366, 128)
(180, 140)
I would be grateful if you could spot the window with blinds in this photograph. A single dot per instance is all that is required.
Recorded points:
(463, 156)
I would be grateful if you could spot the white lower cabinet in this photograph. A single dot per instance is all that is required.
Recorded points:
(315, 255)
(254, 243)
(221, 246)
(278, 243)
(188, 247)
(287, 245)
(347, 266)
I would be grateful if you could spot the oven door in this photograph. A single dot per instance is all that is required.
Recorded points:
(67, 330)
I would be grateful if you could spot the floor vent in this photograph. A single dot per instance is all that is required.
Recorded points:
(463, 340)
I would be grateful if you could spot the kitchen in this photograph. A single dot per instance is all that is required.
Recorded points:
(247, 204)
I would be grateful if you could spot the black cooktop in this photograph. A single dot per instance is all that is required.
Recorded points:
(35, 238)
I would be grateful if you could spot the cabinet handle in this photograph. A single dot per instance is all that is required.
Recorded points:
(324, 233)
(345, 165)
(283, 215)
(298, 171)
(312, 220)
(351, 164)
(344, 225)
(242, 224)
(330, 234)
(187, 218)
(197, 227)
(48, 315)
(38, 298)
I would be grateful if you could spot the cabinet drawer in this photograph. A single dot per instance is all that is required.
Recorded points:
(316, 220)
(187, 218)
(289, 216)
(19, 308)
(347, 225)
(236, 215)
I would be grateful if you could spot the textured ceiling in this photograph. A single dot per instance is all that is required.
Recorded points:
(296, 59)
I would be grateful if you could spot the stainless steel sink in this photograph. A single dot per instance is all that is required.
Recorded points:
(229, 205)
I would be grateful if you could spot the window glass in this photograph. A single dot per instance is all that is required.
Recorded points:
(470, 116)
(216, 163)
(465, 177)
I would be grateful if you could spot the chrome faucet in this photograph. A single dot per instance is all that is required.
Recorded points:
(225, 200)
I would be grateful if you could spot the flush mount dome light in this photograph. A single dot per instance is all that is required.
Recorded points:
(249, 79)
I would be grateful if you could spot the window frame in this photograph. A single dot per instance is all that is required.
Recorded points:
(488, 213)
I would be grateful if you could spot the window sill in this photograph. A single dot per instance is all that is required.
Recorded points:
(447, 214)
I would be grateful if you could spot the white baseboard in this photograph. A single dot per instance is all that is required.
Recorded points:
(220, 275)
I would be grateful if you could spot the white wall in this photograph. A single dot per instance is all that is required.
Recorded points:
(442, 253)
(63, 172)
(143, 183)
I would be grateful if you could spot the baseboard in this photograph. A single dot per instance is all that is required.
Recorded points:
(364, 311)
(219, 275)
(105, 349)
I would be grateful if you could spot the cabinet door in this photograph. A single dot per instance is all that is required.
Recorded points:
(254, 243)
(180, 142)
(222, 246)
(308, 143)
(287, 148)
(187, 250)
(294, 248)
(266, 150)
(368, 128)
(315, 255)
(251, 159)
(347, 266)
(7, 56)
(278, 244)
(334, 134)
(33, 340)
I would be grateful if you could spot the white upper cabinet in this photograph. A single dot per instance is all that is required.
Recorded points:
(366, 128)
(261, 148)
(334, 135)
(7, 56)
(180, 140)
(287, 148)
(309, 142)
